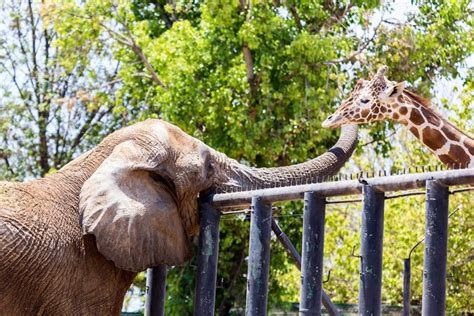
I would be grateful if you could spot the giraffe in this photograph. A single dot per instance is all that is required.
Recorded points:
(379, 99)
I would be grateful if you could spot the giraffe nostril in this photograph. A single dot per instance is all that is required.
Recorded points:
(330, 117)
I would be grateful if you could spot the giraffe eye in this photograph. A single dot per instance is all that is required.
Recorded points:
(365, 101)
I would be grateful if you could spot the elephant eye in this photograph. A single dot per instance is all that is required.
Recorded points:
(164, 180)
(209, 167)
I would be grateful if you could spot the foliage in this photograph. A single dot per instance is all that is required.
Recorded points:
(55, 104)
(253, 80)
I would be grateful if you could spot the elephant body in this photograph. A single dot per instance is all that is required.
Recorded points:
(47, 266)
(72, 242)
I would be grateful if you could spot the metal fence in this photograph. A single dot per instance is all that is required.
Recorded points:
(375, 191)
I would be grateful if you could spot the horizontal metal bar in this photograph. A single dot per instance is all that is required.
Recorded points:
(339, 188)
(343, 201)
(413, 193)
(461, 190)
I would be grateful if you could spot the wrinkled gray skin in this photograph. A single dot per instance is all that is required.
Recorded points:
(72, 242)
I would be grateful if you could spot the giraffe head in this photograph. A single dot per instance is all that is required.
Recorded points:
(370, 101)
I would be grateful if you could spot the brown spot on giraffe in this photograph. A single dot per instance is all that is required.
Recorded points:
(446, 160)
(383, 109)
(415, 117)
(431, 117)
(469, 143)
(451, 133)
(365, 112)
(458, 153)
(403, 110)
(414, 130)
(433, 138)
(395, 116)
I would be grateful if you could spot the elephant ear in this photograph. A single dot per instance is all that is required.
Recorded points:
(132, 212)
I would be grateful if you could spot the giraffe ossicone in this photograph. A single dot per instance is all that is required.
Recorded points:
(379, 99)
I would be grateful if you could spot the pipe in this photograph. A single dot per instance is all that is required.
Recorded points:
(312, 254)
(348, 187)
(259, 258)
(370, 288)
(436, 249)
(205, 297)
(155, 291)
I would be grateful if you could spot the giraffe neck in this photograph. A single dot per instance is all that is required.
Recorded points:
(453, 147)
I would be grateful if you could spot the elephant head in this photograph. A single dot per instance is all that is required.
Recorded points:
(140, 202)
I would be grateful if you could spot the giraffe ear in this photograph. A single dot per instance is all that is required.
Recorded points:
(395, 90)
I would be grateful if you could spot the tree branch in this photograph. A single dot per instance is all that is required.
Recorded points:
(7, 162)
(24, 52)
(34, 72)
(250, 71)
(248, 58)
(232, 282)
(296, 17)
(168, 21)
(130, 42)
(359, 51)
(13, 76)
(376, 140)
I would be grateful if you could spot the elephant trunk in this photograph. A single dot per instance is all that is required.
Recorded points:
(243, 178)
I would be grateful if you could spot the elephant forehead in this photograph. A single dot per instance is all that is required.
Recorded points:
(171, 135)
(156, 128)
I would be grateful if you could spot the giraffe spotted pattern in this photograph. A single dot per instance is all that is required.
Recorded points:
(379, 99)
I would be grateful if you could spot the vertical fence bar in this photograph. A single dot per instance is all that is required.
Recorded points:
(155, 291)
(312, 254)
(259, 257)
(406, 286)
(205, 297)
(290, 248)
(370, 288)
(436, 249)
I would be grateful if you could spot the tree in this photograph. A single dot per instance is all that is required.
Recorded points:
(255, 80)
(54, 104)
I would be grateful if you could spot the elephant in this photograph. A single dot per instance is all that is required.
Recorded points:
(72, 242)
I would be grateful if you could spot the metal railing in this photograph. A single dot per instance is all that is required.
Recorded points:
(374, 191)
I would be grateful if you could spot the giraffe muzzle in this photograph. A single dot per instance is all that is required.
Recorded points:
(332, 121)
